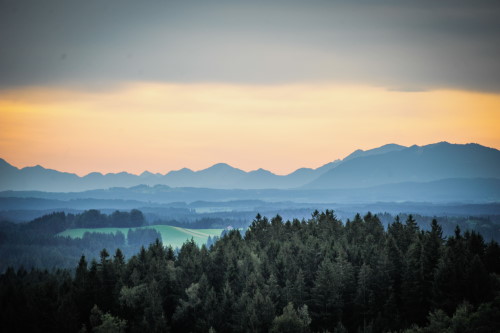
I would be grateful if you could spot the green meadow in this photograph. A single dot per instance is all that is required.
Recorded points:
(173, 236)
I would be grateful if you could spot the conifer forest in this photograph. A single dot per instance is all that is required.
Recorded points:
(315, 275)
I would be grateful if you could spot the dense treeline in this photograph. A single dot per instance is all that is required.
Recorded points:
(35, 244)
(298, 276)
(487, 226)
(60, 221)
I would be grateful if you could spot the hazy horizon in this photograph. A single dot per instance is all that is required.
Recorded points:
(223, 162)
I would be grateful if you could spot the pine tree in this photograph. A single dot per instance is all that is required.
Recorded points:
(327, 296)
(364, 294)
(413, 286)
(291, 321)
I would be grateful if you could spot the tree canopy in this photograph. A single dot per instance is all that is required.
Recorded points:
(280, 276)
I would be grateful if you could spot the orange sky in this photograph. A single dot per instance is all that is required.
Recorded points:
(161, 127)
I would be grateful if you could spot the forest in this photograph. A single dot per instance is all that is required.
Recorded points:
(313, 275)
(35, 244)
(38, 243)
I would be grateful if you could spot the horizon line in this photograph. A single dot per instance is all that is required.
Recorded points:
(227, 164)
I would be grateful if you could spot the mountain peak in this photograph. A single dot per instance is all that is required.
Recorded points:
(440, 144)
(221, 166)
(94, 174)
(148, 174)
(392, 146)
(375, 151)
(261, 171)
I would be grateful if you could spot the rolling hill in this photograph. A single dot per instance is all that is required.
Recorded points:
(173, 236)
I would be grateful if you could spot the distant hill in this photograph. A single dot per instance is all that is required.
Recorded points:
(220, 176)
(413, 164)
(388, 164)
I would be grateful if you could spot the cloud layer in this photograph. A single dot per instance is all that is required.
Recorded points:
(399, 45)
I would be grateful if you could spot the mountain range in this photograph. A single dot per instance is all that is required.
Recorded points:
(388, 164)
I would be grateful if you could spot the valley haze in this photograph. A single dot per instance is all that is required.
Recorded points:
(436, 179)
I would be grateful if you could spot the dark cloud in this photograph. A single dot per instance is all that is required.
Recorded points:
(401, 45)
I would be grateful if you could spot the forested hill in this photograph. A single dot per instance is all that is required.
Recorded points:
(299, 276)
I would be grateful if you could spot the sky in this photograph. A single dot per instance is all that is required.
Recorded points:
(159, 85)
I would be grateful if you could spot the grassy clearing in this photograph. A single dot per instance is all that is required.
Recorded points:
(173, 236)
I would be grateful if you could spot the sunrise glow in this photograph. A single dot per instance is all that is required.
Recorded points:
(161, 127)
